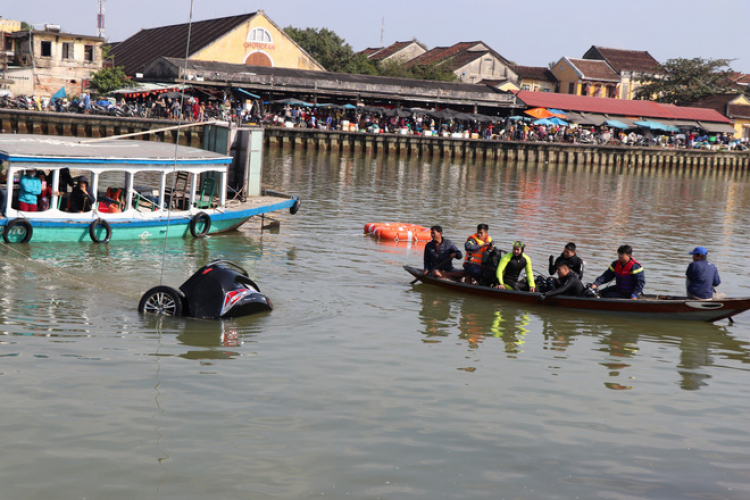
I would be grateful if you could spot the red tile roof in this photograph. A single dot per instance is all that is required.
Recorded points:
(381, 54)
(170, 41)
(621, 60)
(371, 50)
(455, 56)
(722, 103)
(620, 107)
(595, 70)
(535, 73)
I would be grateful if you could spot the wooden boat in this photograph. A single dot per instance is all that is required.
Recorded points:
(142, 190)
(650, 306)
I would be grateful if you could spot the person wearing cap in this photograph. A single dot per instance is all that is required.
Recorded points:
(569, 256)
(439, 254)
(511, 266)
(627, 273)
(701, 276)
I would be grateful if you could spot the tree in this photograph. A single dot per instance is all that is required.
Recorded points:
(324, 45)
(683, 81)
(108, 79)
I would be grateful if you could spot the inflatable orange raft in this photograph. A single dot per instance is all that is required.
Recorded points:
(397, 231)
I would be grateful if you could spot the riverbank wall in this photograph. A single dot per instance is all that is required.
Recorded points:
(384, 145)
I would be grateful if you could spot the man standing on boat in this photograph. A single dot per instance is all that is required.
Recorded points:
(702, 276)
(476, 245)
(510, 268)
(569, 256)
(439, 253)
(627, 273)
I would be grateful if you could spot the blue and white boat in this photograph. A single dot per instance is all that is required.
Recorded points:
(142, 190)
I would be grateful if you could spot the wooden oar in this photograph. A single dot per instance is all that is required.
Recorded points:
(433, 268)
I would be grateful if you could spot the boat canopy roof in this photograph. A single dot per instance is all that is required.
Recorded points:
(36, 150)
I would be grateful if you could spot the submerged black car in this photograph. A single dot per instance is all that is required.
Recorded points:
(221, 289)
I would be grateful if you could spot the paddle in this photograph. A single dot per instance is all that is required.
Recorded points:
(450, 258)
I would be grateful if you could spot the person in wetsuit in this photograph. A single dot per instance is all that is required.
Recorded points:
(439, 253)
(569, 256)
(627, 273)
(510, 268)
(567, 283)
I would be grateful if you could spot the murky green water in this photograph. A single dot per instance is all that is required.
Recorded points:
(359, 385)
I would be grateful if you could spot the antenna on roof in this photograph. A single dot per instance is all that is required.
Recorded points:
(100, 20)
(382, 32)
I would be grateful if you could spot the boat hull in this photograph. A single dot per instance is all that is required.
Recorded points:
(176, 225)
(678, 308)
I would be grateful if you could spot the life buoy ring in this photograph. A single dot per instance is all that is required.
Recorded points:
(29, 231)
(107, 231)
(398, 232)
(295, 208)
(197, 219)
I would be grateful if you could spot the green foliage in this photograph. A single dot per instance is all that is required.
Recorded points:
(683, 81)
(336, 55)
(108, 79)
(26, 26)
(106, 52)
(324, 45)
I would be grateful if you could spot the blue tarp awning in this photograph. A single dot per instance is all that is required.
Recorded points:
(617, 124)
(254, 96)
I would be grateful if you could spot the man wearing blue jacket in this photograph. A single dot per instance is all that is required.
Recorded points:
(702, 276)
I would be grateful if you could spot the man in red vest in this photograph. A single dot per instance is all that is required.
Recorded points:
(627, 273)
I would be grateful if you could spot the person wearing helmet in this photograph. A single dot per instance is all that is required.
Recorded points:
(511, 266)
(701, 276)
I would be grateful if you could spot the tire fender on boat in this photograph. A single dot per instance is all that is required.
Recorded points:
(18, 222)
(197, 218)
(295, 208)
(108, 231)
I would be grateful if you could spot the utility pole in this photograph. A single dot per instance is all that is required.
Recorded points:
(100, 20)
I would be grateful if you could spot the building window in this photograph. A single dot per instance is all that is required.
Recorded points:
(46, 49)
(67, 50)
(259, 35)
(525, 86)
(572, 88)
(88, 53)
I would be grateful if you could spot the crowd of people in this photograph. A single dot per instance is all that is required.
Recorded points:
(35, 192)
(484, 264)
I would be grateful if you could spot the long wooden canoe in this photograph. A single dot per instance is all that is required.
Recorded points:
(649, 306)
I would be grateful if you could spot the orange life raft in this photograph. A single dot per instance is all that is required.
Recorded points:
(397, 231)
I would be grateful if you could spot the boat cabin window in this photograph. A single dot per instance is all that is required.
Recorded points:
(204, 188)
(76, 190)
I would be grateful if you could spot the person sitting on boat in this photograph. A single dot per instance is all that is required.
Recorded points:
(42, 201)
(81, 200)
(567, 283)
(475, 246)
(510, 268)
(701, 276)
(569, 256)
(29, 188)
(439, 254)
(627, 273)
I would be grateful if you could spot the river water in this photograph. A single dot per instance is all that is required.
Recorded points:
(360, 385)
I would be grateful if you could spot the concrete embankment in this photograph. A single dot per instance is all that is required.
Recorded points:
(296, 139)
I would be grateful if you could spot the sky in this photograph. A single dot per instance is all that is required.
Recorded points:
(529, 33)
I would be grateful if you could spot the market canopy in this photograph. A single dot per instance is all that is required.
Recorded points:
(539, 113)
(617, 124)
(292, 102)
(254, 96)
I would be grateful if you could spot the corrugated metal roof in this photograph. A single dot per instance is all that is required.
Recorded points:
(171, 41)
(621, 107)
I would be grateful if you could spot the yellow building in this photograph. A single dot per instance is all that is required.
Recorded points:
(251, 39)
(586, 77)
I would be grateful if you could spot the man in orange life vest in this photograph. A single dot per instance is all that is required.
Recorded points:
(627, 273)
(476, 245)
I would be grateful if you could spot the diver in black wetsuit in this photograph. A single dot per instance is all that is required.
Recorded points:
(569, 256)
(567, 283)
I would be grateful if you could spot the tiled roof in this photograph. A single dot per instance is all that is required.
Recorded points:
(595, 70)
(722, 103)
(535, 73)
(389, 51)
(621, 107)
(440, 55)
(621, 60)
(170, 41)
(371, 50)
